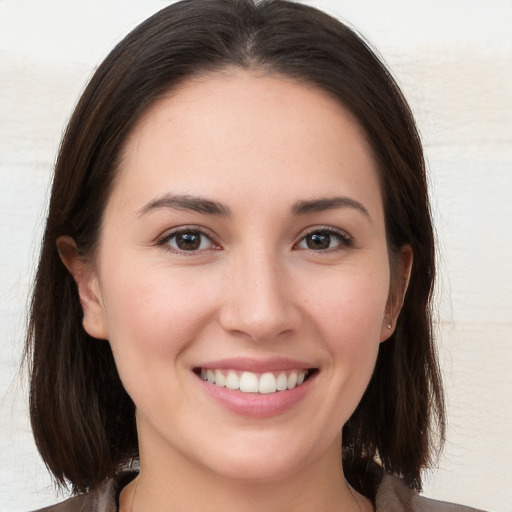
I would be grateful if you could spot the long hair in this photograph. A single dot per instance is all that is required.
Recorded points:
(82, 418)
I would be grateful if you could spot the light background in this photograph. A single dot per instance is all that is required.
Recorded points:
(453, 59)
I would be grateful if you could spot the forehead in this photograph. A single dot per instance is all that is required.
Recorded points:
(246, 132)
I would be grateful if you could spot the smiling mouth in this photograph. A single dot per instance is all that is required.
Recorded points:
(250, 382)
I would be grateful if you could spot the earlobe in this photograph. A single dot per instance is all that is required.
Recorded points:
(88, 289)
(400, 281)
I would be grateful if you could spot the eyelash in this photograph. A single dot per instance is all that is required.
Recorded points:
(345, 241)
(165, 239)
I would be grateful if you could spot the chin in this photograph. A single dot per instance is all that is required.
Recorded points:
(256, 470)
(261, 458)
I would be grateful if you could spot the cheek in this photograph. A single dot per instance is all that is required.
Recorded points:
(351, 305)
(151, 319)
(151, 315)
(349, 312)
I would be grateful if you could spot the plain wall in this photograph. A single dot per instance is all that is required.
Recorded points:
(453, 59)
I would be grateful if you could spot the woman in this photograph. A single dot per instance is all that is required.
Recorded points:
(235, 280)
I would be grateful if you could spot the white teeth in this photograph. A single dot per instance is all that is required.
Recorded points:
(292, 380)
(267, 383)
(282, 382)
(232, 380)
(249, 382)
(220, 380)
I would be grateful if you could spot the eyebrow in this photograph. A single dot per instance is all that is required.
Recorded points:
(207, 206)
(330, 203)
(185, 203)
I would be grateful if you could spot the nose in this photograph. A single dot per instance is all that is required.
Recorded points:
(259, 299)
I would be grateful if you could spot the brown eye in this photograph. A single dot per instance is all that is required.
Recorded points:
(189, 241)
(325, 239)
(318, 241)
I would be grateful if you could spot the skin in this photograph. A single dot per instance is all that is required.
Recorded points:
(257, 144)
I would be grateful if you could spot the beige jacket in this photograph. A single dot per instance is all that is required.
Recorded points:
(392, 496)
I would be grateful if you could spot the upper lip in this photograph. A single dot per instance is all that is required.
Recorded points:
(256, 365)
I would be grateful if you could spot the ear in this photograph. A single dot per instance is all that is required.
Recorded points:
(400, 276)
(88, 288)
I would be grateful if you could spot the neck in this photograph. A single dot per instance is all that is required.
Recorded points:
(319, 485)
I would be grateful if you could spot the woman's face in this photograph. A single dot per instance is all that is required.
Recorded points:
(244, 244)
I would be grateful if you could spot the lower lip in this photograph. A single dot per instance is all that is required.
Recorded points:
(258, 405)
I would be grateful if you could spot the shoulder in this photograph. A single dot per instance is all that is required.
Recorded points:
(102, 499)
(393, 495)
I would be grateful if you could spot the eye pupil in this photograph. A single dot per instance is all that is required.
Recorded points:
(188, 241)
(318, 241)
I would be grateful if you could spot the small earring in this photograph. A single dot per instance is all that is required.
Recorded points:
(389, 326)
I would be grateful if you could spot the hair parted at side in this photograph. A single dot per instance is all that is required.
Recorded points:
(83, 420)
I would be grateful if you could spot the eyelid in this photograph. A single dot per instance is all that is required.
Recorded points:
(346, 240)
(163, 239)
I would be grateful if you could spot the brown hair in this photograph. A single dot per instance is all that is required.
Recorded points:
(83, 420)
